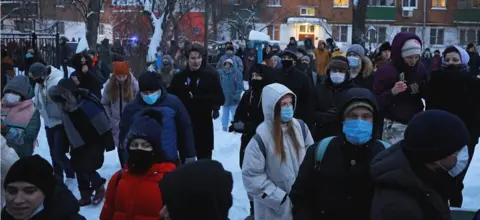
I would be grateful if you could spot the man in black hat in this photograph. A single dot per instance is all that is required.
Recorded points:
(415, 178)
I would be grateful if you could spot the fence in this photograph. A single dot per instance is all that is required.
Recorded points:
(46, 47)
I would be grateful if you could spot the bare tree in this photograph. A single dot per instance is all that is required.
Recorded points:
(181, 15)
(89, 10)
(25, 10)
(359, 13)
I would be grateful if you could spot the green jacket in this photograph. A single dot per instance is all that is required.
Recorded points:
(29, 136)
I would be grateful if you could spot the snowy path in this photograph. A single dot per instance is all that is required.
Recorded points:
(227, 147)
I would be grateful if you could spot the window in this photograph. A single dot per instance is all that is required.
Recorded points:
(307, 29)
(377, 35)
(408, 29)
(439, 3)
(24, 26)
(274, 3)
(102, 5)
(340, 3)
(469, 36)
(274, 31)
(436, 36)
(101, 29)
(59, 2)
(389, 3)
(305, 11)
(61, 27)
(340, 33)
(410, 3)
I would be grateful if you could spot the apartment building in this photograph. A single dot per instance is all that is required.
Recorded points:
(50, 16)
(437, 22)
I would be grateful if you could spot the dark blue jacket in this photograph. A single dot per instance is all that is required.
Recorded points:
(177, 131)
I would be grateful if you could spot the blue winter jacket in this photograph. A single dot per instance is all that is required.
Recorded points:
(177, 130)
(236, 60)
(232, 85)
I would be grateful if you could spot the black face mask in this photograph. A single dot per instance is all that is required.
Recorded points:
(303, 66)
(257, 84)
(140, 161)
(456, 67)
(287, 64)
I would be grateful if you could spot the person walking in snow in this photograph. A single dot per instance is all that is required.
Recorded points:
(348, 195)
(33, 192)
(232, 85)
(46, 77)
(415, 178)
(168, 70)
(462, 98)
(85, 76)
(323, 57)
(89, 132)
(120, 90)
(212, 189)
(200, 90)
(400, 85)
(20, 119)
(474, 62)
(177, 132)
(273, 157)
(133, 191)
(230, 54)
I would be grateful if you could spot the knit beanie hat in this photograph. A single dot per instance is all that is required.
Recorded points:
(68, 84)
(210, 195)
(34, 170)
(385, 46)
(305, 58)
(121, 68)
(37, 70)
(19, 84)
(357, 104)
(433, 135)
(147, 127)
(150, 81)
(411, 47)
(291, 53)
(338, 62)
(357, 49)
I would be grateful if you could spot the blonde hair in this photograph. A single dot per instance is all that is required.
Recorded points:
(113, 89)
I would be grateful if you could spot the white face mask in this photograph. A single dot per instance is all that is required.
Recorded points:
(11, 98)
(462, 161)
(337, 77)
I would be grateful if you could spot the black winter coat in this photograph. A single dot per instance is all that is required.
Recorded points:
(337, 188)
(89, 81)
(201, 93)
(474, 63)
(329, 100)
(300, 84)
(364, 81)
(400, 194)
(250, 112)
(61, 205)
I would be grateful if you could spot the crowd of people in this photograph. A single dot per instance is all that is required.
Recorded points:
(325, 134)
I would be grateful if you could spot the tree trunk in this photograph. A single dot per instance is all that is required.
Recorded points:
(358, 21)
(93, 21)
(215, 19)
(205, 42)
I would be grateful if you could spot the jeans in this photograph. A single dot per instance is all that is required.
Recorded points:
(89, 180)
(58, 143)
(227, 111)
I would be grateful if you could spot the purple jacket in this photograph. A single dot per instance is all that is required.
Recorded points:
(402, 107)
(113, 108)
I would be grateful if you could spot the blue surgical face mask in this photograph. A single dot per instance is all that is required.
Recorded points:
(337, 77)
(357, 132)
(286, 114)
(29, 55)
(353, 61)
(462, 161)
(151, 98)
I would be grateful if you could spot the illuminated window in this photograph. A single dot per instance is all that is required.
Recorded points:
(305, 11)
(340, 3)
(439, 3)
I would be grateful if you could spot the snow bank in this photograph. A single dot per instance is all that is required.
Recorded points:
(256, 35)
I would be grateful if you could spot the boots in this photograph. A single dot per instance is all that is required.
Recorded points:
(86, 197)
(99, 193)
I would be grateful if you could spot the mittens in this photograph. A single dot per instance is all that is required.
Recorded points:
(215, 114)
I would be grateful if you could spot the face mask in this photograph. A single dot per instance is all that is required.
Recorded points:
(286, 114)
(28, 55)
(353, 61)
(140, 161)
(257, 84)
(287, 63)
(11, 98)
(337, 77)
(462, 161)
(152, 98)
(229, 52)
(303, 66)
(357, 132)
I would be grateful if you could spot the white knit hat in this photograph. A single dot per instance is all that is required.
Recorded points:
(411, 47)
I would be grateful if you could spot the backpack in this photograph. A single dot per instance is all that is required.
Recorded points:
(321, 148)
(261, 145)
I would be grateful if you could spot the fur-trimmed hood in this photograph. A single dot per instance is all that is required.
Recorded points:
(367, 67)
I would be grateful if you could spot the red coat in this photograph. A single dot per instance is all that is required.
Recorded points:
(136, 197)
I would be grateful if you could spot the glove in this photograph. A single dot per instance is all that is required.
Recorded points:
(239, 126)
(5, 130)
(215, 114)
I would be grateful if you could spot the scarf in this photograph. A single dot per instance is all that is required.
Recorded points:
(17, 114)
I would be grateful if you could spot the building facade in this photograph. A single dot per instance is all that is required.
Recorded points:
(50, 17)
(437, 22)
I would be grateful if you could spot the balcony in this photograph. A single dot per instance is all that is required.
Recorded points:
(470, 15)
(381, 13)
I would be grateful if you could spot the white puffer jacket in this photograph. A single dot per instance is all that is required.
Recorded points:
(9, 157)
(267, 180)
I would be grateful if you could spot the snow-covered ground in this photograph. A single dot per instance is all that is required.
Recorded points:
(227, 147)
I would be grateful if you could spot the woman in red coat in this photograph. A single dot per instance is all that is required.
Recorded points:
(133, 193)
